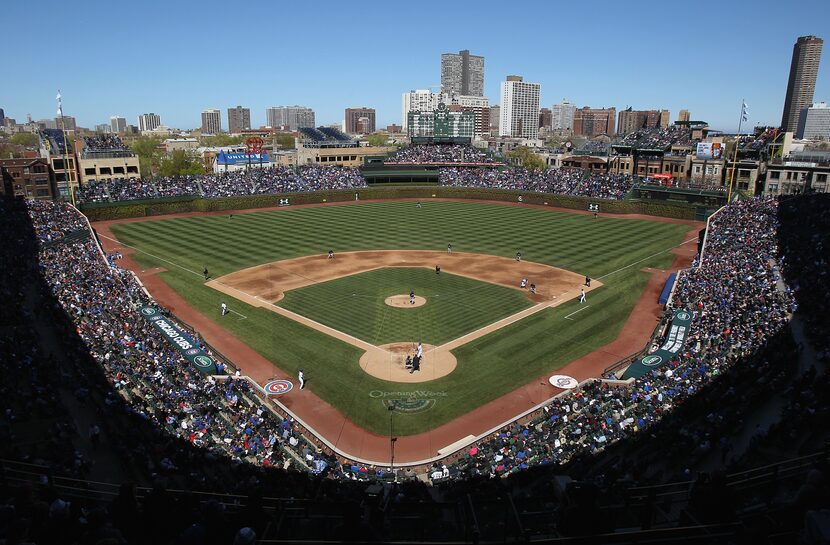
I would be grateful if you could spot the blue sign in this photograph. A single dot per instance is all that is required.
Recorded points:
(239, 158)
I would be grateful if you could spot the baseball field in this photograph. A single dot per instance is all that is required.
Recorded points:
(308, 312)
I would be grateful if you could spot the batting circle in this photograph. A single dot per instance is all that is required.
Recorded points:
(278, 387)
(563, 381)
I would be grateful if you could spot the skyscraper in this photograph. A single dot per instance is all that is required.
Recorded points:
(562, 116)
(211, 121)
(149, 122)
(684, 116)
(118, 124)
(814, 122)
(545, 118)
(462, 73)
(418, 100)
(802, 82)
(353, 118)
(592, 122)
(239, 119)
(519, 108)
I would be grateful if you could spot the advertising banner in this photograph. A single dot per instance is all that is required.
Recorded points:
(180, 340)
(709, 150)
(676, 336)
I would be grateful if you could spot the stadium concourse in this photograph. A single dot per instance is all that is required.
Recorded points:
(165, 419)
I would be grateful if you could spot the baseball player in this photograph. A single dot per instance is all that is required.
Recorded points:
(449, 249)
(533, 289)
(205, 273)
(518, 256)
(418, 204)
(438, 269)
(587, 281)
(412, 297)
(419, 352)
(331, 254)
(523, 283)
(224, 309)
(301, 377)
(581, 295)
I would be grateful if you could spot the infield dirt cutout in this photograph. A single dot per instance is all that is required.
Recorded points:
(403, 301)
(264, 285)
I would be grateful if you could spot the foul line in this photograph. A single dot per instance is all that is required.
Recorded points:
(151, 255)
(647, 257)
(568, 317)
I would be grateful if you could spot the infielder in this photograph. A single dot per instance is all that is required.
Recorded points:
(224, 309)
(582, 295)
(205, 273)
(331, 254)
(518, 256)
(449, 248)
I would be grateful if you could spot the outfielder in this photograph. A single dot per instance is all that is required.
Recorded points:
(301, 377)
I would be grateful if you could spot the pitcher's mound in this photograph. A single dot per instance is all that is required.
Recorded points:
(388, 362)
(402, 301)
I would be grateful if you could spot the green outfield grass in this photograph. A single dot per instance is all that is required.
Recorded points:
(455, 305)
(488, 367)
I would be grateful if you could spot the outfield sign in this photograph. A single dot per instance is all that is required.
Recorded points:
(675, 338)
(285, 202)
(180, 340)
(593, 207)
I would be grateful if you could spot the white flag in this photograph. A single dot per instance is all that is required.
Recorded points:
(59, 95)
(60, 111)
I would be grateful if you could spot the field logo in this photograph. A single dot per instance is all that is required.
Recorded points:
(411, 405)
(203, 361)
(563, 381)
(652, 360)
(683, 316)
(278, 387)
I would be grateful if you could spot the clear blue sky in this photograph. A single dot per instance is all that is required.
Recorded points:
(177, 58)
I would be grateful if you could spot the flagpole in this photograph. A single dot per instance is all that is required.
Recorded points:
(735, 157)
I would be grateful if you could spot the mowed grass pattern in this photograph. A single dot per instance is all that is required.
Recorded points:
(488, 367)
(455, 305)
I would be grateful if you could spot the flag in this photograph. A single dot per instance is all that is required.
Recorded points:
(744, 110)
(59, 95)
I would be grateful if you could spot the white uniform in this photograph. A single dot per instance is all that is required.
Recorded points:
(420, 351)
(582, 295)
(301, 377)
(224, 309)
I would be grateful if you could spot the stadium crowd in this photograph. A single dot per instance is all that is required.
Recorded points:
(104, 142)
(227, 184)
(422, 154)
(737, 308)
(566, 181)
(658, 138)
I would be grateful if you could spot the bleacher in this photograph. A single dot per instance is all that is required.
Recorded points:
(325, 137)
(53, 138)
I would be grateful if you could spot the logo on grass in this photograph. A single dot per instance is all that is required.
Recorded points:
(203, 362)
(651, 361)
(278, 387)
(409, 406)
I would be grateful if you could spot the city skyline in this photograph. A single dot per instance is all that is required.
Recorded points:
(716, 75)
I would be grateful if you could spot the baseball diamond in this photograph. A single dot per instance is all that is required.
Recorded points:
(613, 251)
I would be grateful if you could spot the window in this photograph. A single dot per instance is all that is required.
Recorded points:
(775, 175)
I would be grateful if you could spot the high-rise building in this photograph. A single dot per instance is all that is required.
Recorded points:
(562, 116)
(151, 121)
(635, 120)
(462, 73)
(211, 121)
(495, 117)
(519, 108)
(417, 100)
(814, 122)
(2, 118)
(545, 118)
(592, 122)
(360, 120)
(118, 124)
(802, 82)
(290, 117)
(103, 127)
(239, 119)
(684, 116)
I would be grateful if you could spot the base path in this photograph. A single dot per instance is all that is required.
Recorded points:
(355, 441)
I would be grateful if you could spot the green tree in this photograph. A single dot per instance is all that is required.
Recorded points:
(180, 163)
(27, 139)
(222, 140)
(149, 156)
(524, 157)
(285, 141)
(378, 139)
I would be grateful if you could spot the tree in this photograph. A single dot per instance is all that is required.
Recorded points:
(27, 139)
(523, 156)
(378, 139)
(222, 140)
(285, 141)
(149, 156)
(179, 164)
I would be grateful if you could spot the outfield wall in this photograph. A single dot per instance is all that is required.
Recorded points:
(160, 207)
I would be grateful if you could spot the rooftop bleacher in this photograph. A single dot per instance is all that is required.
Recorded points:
(324, 137)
